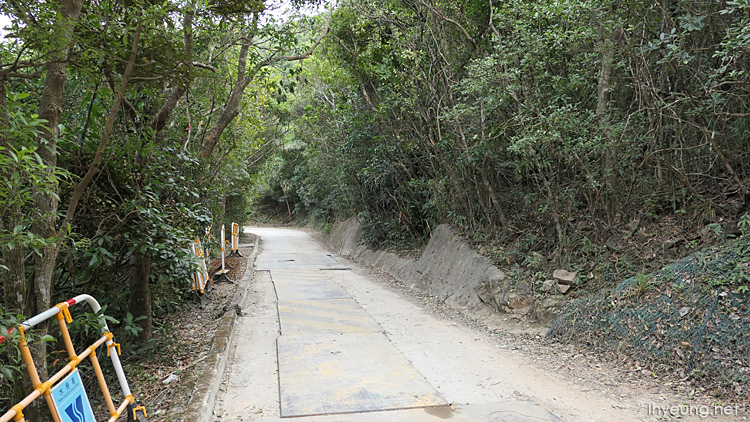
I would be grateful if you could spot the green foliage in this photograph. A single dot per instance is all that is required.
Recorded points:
(12, 367)
(744, 224)
(158, 220)
(87, 326)
(553, 112)
(695, 322)
(135, 185)
(23, 173)
(642, 285)
(535, 126)
(130, 327)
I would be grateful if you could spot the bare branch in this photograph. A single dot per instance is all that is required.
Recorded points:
(491, 20)
(354, 70)
(231, 108)
(204, 66)
(447, 19)
(94, 168)
(17, 75)
(308, 53)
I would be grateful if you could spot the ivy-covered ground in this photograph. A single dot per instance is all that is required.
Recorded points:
(690, 319)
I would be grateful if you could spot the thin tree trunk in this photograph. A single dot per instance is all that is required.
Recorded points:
(161, 118)
(3, 113)
(75, 197)
(355, 54)
(46, 203)
(14, 280)
(459, 191)
(712, 140)
(232, 106)
(140, 296)
(552, 201)
(602, 106)
(491, 191)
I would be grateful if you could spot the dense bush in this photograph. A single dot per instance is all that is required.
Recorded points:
(523, 116)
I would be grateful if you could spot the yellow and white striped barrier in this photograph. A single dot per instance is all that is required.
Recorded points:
(235, 249)
(201, 279)
(220, 274)
(64, 392)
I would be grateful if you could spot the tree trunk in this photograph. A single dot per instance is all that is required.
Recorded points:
(491, 190)
(232, 107)
(453, 177)
(715, 147)
(140, 296)
(46, 203)
(602, 106)
(161, 118)
(231, 110)
(81, 186)
(14, 280)
(3, 113)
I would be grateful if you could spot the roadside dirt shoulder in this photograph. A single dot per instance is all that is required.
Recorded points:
(165, 383)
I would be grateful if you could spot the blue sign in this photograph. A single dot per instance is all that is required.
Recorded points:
(71, 400)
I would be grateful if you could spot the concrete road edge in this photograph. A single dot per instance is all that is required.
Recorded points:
(203, 399)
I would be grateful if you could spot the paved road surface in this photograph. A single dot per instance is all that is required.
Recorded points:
(321, 338)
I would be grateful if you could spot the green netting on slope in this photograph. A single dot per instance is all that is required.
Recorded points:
(689, 316)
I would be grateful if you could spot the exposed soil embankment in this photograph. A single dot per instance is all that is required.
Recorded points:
(448, 268)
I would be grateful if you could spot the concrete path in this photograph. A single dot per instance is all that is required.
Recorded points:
(323, 339)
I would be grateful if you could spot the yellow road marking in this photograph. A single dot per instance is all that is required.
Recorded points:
(312, 312)
(301, 274)
(350, 306)
(327, 325)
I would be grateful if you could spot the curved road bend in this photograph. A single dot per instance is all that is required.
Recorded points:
(321, 338)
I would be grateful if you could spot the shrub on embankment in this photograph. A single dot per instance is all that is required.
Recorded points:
(690, 319)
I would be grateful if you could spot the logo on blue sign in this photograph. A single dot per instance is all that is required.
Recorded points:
(71, 400)
(75, 410)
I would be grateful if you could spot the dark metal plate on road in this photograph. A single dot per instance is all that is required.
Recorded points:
(296, 262)
(331, 316)
(306, 285)
(328, 374)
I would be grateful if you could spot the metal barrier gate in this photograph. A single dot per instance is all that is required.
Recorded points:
(65, 396)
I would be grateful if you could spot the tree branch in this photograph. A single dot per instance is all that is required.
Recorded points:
(94, 168)
(491, 20)
(308, 53)
(354, 69)
(447, 19)
(204, 66)
(231, 108)
(132, 112)
(160, 120)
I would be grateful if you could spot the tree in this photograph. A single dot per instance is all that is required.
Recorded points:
(44, 225)
(119, 190)
(281, 41)
(516, 119)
